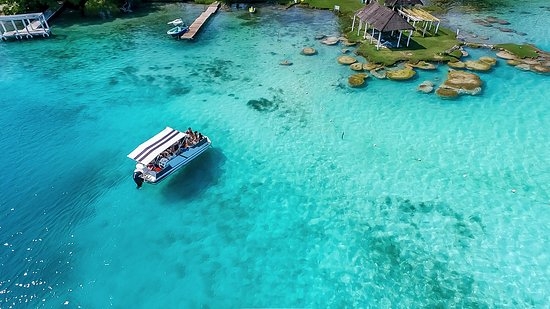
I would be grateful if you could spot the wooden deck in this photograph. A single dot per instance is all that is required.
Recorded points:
(24, 26)
(197, 24)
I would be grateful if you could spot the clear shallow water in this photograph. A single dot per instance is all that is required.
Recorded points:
(338, 197)
(527, 23)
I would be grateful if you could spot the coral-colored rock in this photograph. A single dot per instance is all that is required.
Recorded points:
(346, 60)
(402, 74)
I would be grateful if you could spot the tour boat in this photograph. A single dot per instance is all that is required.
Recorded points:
(165, 153)
(177, 31)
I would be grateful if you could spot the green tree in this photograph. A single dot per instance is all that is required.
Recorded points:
(84, 6)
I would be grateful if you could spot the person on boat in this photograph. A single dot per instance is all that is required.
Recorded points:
(175, 148)
(191, 134)
(181, 144)
(154, 167)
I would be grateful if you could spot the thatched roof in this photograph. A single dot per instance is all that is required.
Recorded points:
(393, 3)
(382, 18)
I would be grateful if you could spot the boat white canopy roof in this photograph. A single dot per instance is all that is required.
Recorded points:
(148, 151)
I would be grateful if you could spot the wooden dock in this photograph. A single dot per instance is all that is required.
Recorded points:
(201, 20)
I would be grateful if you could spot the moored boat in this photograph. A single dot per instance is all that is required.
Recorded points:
(165, 153)
(178, 30)
(176, 22)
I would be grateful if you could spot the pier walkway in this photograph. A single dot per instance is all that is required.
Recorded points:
(197, 24)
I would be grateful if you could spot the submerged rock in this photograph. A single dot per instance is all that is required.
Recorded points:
(358, 66)
(466, 81)
(347, 42)
(285, 62)
(357, 80)
(331, 40)
(506, 55)
(456, 64)
(423, 65)
(540, 69)
(489, 60)
(371, 66)
(346, 60)
(530, 61)
(482, 22)
(523, 66)
(403, 74)
(504, 29)
(447, 92)
(459, 82)
(263, 105)
(309, 51)
(478, 65)
(491, 19)
(378, 73)
(425, 87)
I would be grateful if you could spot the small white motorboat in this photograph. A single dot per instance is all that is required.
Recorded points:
(165, 153)
(176, 22)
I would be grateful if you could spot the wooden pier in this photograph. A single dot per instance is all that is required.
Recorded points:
(24, 26)
(201, 20)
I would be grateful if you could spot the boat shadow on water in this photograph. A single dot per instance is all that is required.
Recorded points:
(195, 178)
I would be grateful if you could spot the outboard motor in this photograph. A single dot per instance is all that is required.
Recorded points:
(138, 172)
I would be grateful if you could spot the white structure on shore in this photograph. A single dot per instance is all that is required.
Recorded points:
(24, 26)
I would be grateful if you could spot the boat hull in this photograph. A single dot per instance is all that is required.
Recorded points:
(177, 162)
(177, 31)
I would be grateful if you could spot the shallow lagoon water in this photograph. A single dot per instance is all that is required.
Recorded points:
(326, 197)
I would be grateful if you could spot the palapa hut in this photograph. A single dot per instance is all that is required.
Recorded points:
(406, 9)
(398, 3)
(381, 19)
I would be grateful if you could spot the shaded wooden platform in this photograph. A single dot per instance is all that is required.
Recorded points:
(197, 24)
(24, 26)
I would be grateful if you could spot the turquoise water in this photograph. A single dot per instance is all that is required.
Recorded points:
(329, 197)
